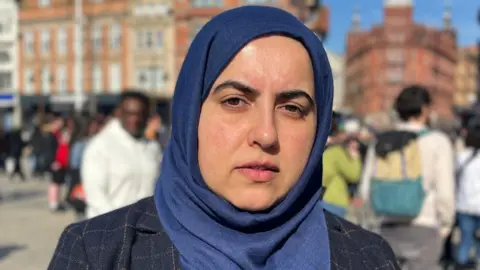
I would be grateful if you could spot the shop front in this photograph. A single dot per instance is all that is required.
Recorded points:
(7, 111)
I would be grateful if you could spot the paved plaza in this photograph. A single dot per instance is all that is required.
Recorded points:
(28, 231)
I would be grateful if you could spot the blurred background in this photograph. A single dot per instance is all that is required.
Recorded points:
(73, 58)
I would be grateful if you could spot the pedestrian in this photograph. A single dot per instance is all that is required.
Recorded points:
(59, 165)
(120, 166)
(16, 145)
(75, 193)
(342, 170)
(409, 179)
(468, 196)
(242, 174)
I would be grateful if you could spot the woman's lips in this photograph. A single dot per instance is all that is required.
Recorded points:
(258, 174)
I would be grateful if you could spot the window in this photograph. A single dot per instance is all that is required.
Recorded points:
(142, 78)
(5, 23)
(395, 56)
(45, 41)
(159, 79)
(97, 37)
(115, 78)
(46, 79)
(28, 80)
(151, 9)
(159, 39)
(4, 57)
(97, 78)
(28, 42)
(43, 3)
(207, 3)
(140, 39)
(115, 36)
(149, 39)
(150, 78)
(62, 41)
(395, 75)
(5, 81)
(61, 77)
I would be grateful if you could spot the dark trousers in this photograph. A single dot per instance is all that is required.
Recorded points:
(77, 204)
(58, 176)
(17, 169)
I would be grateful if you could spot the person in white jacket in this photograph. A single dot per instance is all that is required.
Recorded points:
(468, 195)
(120, 166)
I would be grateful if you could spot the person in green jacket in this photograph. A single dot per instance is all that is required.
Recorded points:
(342, 165)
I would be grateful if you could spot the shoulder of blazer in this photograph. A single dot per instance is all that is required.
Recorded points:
(116, 239)
(352, 246)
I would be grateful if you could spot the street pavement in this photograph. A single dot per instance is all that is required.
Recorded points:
(28, 230)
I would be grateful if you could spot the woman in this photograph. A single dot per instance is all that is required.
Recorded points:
(75, 192)
(468, 195)
(241, 175)
(342, 169)
(59, 165)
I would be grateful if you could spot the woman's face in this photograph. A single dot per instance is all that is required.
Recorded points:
(258, 124)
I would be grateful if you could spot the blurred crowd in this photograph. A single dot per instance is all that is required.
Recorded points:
(54, 149)
(411, 182)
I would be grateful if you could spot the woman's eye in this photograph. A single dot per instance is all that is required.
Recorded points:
(234, 102)
(293, 109)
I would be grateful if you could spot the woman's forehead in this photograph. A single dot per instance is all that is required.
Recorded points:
(271, 62)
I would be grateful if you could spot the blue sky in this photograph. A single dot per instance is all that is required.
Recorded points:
(464, 13)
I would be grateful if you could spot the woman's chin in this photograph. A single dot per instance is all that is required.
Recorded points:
(254, 203)
(252, 198)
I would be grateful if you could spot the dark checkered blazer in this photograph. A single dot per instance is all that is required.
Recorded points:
(133, 238)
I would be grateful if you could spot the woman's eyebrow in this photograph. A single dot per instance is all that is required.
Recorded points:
(295, 93)
(242, 87)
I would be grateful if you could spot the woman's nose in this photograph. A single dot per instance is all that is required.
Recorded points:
(264, 132)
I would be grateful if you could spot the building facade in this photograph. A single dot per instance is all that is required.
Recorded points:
(8, 62)
(8, 45)
(466, 77)
(153, 47)
(191, 15)
(88, 53)
(383, 60)
(51, 35)
(337, 64)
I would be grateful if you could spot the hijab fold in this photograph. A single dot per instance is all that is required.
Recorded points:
(208, 231)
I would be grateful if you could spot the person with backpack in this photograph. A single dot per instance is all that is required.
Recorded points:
(409, 183)
(468, 195)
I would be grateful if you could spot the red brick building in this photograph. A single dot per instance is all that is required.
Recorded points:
(384, 59)
(191, 15)
(466, 77)
(46, 49)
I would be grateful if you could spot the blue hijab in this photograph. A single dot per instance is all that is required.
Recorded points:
(208, 231)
